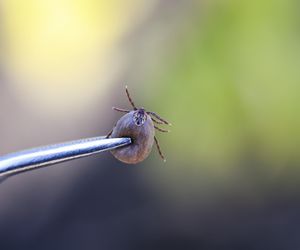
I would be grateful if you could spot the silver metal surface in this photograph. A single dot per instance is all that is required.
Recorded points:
(48, 155)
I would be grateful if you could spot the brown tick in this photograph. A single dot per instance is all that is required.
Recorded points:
(138, 125)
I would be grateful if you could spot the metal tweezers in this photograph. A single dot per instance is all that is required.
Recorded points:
(31, 159)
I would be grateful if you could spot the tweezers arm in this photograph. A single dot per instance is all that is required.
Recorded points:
(52, 154)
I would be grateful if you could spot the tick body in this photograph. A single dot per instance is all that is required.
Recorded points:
(142, 137)
(138, 124)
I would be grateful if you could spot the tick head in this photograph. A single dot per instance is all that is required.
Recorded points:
(139, 116)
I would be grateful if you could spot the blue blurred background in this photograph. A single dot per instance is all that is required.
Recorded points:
(225, 73)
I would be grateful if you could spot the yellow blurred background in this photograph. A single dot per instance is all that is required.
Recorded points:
(225, 73)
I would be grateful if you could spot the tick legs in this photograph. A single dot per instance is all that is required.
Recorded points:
(158, 117)
(121, 110)
(161, 130)
(109, 134)
(157, 121)
(159, 150)
(129, 98)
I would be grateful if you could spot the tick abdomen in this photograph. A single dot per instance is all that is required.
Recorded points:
(142, 138)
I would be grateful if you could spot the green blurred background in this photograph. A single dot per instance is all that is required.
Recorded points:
(225, 73)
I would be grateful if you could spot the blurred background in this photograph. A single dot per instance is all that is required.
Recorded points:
(225, 73)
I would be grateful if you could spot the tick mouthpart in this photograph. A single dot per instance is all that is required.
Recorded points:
(139, 117)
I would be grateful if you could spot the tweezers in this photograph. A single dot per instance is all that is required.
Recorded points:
(31, 159)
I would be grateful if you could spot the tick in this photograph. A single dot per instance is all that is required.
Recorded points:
(138, 124)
